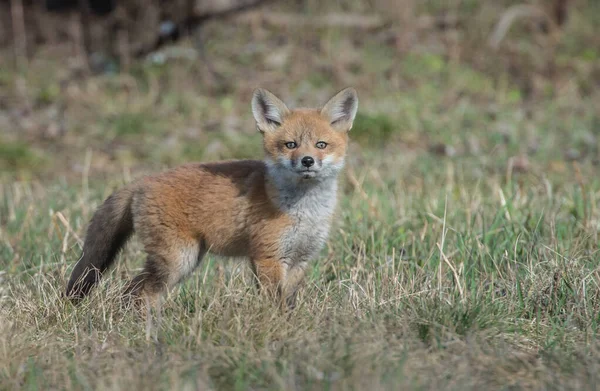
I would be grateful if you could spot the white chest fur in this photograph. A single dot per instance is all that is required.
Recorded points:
(311, 210)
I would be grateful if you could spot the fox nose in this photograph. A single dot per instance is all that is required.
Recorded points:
(308, 161)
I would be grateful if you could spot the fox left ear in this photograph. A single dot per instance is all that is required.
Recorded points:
(341, 109)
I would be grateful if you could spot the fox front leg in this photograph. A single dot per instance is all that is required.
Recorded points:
(280, 279)
(293, 279)
(269, 275)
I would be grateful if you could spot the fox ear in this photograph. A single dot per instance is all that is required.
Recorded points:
(341, 109)
(268, 110)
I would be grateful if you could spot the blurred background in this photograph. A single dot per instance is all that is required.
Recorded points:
(102, 87)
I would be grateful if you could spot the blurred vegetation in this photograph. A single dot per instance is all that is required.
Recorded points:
(465, 253)
(429, 78)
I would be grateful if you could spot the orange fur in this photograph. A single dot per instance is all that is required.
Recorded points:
(276, 213)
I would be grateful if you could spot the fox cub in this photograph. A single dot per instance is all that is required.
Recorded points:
(276, 212)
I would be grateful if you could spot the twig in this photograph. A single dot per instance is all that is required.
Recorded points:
(197, 16)
(513, 13)
(19, 33)
(85, 21)
(281, 19)
(579, 178)
(122, 37)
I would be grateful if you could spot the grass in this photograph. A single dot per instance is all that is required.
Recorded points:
(464, 253)
(17, 156)
(428, 282)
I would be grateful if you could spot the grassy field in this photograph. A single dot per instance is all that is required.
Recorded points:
(464, 253)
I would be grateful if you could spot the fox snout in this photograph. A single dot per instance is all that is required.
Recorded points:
(305, 162)
(307, 166)
(315, 166)
(308, 161)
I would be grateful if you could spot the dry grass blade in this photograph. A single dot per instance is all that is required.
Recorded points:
(70, 230)
(514, 13)
(456, 279)
(339, 20)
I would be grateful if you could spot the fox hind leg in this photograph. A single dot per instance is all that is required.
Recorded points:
(163, 270)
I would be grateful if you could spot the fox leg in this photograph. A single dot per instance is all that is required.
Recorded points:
(269, 273)
(293, 278)
(279, 279)
(164, 268)
(143, 291)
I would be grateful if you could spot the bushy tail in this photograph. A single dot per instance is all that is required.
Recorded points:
(109, 230)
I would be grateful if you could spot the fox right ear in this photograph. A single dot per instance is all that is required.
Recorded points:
(268, 110)
(341, 109)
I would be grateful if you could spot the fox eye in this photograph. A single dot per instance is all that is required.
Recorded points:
(321, 144)
(290, 145)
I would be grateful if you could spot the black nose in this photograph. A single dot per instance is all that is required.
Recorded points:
(308, 161)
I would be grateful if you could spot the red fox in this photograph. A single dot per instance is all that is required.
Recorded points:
(276, 212)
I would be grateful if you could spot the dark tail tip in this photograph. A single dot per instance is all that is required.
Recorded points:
(108, 231)
(78, 288)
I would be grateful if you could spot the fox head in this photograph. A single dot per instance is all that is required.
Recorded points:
(305, 144)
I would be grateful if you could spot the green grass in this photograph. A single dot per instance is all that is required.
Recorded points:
(464, 253)
(427, 282)
(17, 156)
